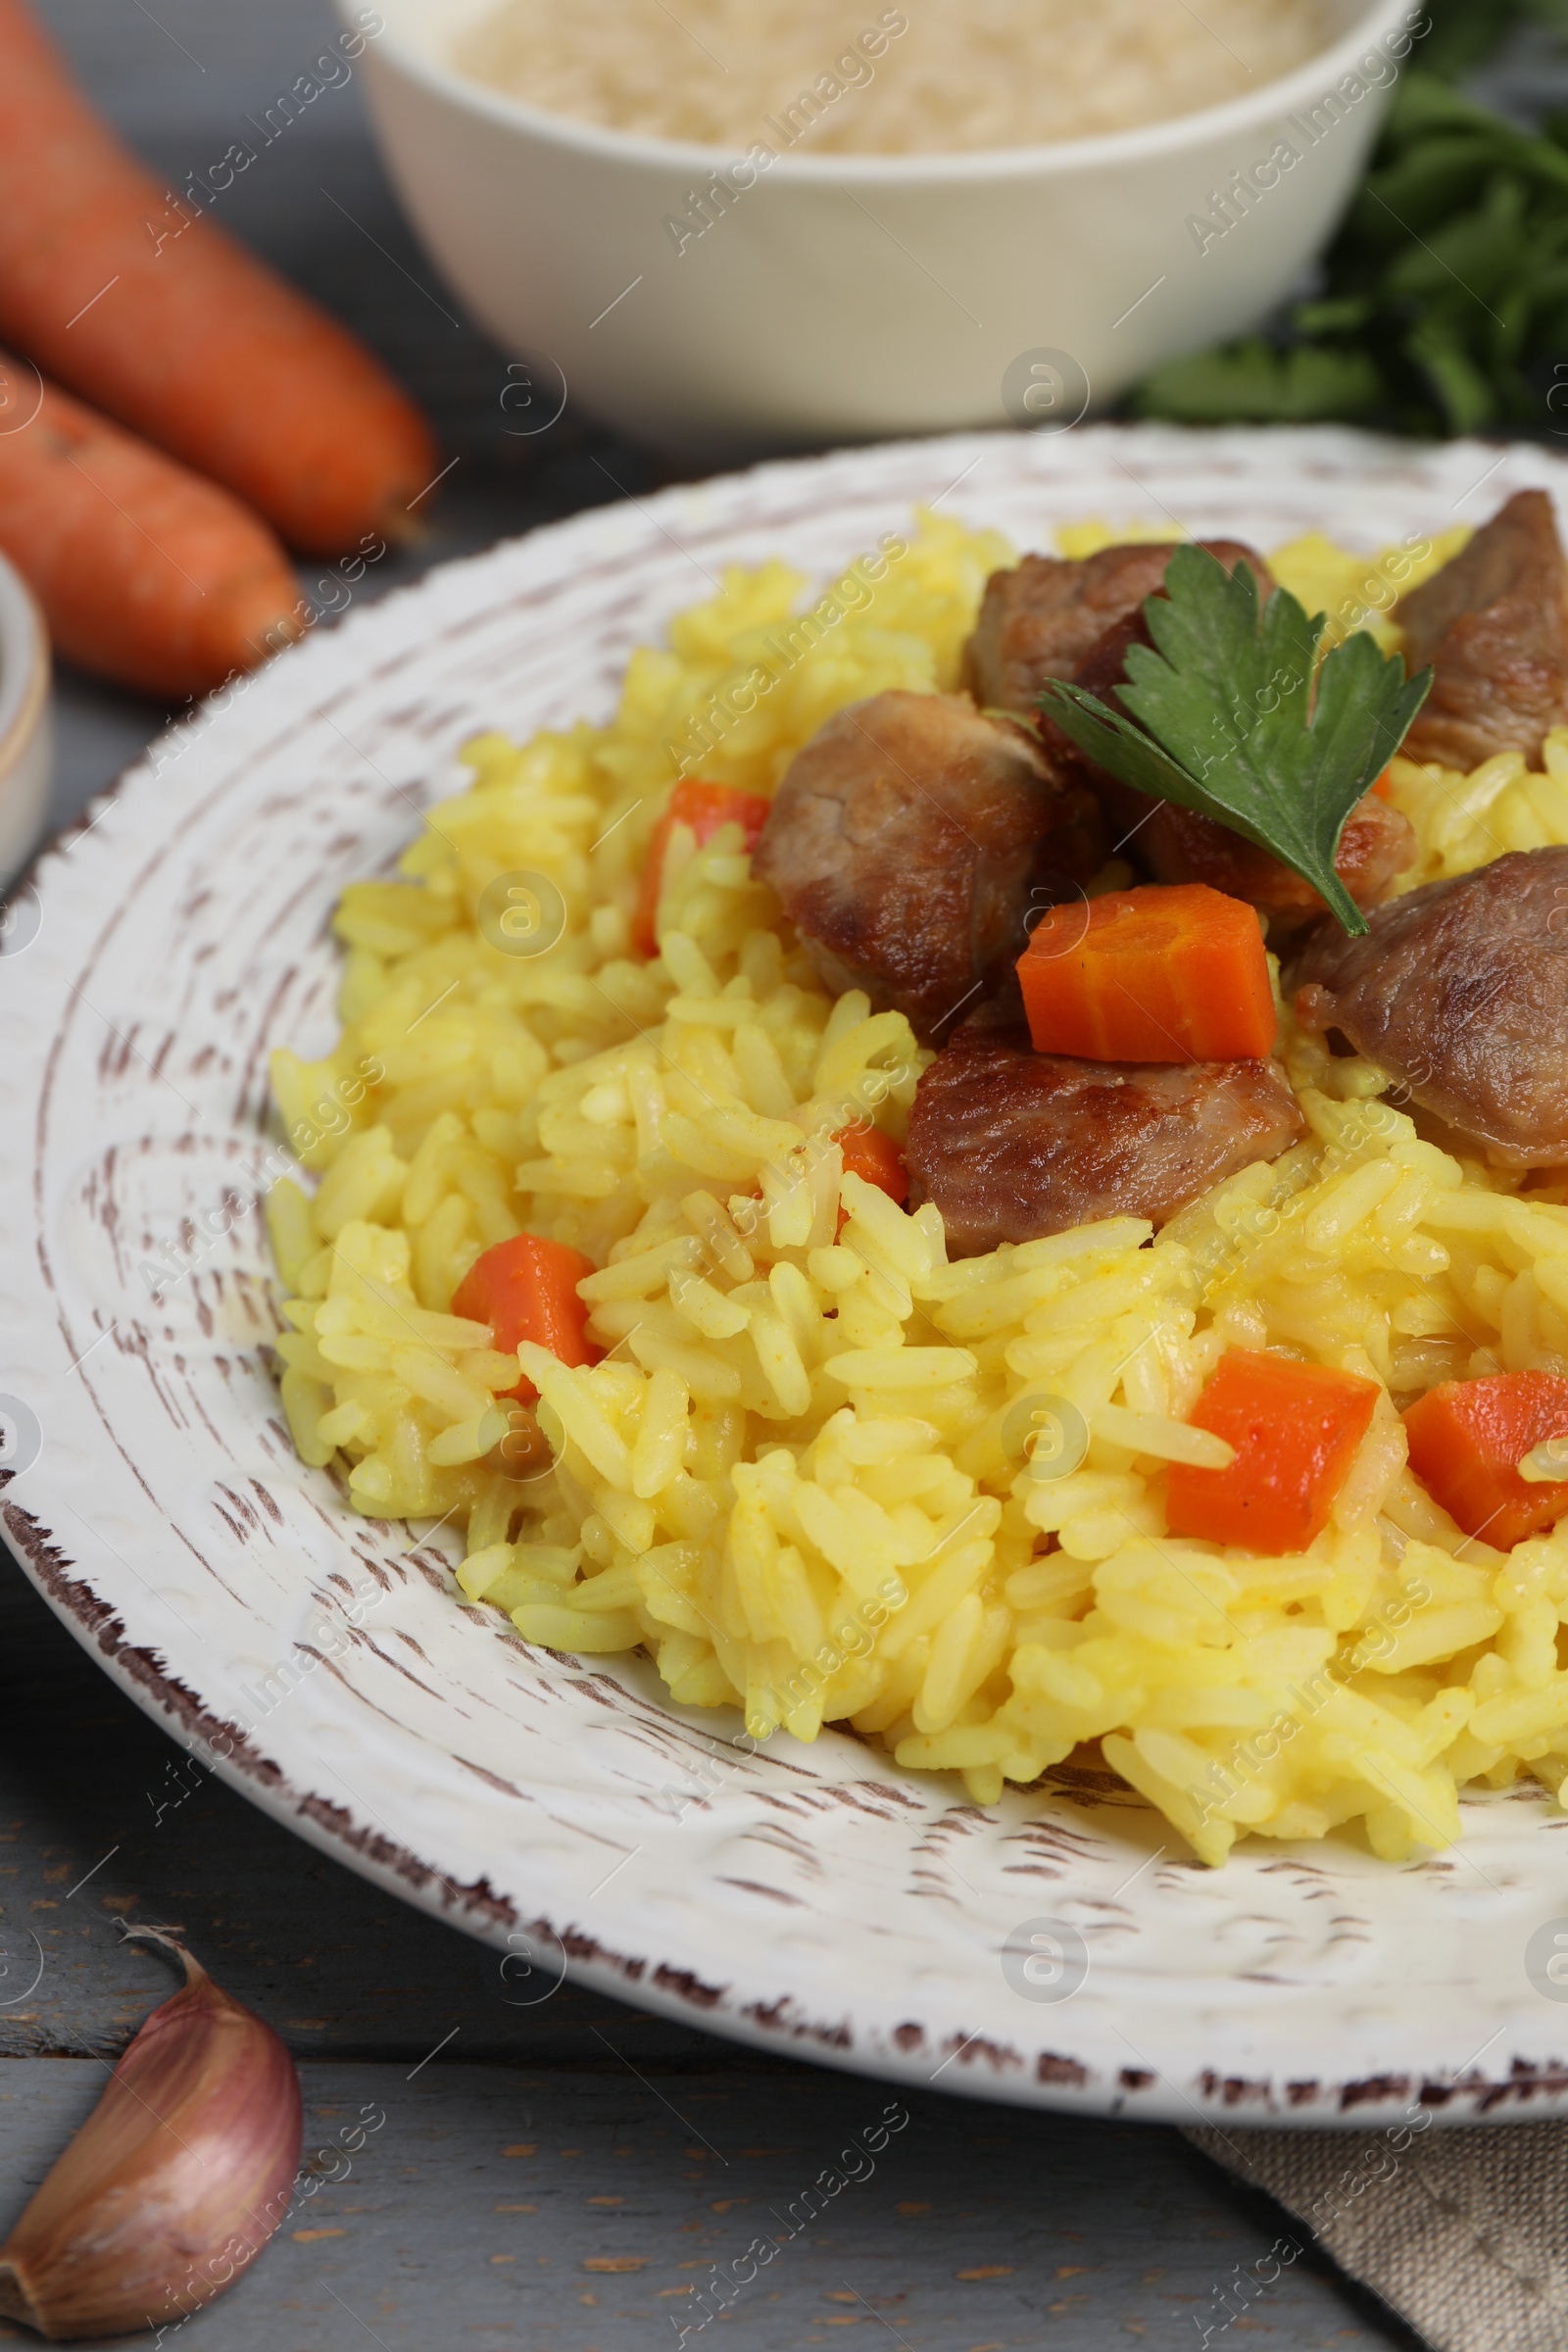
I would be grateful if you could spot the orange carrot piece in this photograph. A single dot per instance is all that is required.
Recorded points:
(1167, 972)
(146, 573)
(526, 1288)
(1295, 1428)
(135, 301)
(875, 1157)
(1383, 786)
(704, 808)
(1467, 1438)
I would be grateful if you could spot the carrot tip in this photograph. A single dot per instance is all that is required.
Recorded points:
(287, 629)
(400, 526)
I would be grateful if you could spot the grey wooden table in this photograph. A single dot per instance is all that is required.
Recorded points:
(562, 2173)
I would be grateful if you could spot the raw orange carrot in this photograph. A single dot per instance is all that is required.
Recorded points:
(145, 573)
(1295, 1428)
(1467, 1438)
(704, 808)
(1162, 973)
(1384, 785)
(526, 1288)
(128, 295)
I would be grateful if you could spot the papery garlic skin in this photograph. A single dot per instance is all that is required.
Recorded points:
(175, 2181)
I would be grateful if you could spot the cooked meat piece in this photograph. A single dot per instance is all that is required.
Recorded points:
(1038, 621)
(1011, 1144)
(1179, 845)
(906, 841)
(1461, 991)
(1494, 623)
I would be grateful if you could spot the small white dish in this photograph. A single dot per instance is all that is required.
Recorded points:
(27, 748)
(845, 297)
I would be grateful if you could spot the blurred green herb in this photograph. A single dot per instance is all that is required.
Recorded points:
(1444, 306)
(1465, 32)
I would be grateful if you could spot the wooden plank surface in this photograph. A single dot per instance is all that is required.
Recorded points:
(531, 2148)
(569, 2172)
(611, 2215)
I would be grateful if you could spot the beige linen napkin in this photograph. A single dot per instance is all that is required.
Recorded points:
(1463, 2232)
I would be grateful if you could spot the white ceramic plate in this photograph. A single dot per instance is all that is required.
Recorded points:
(811, 1899)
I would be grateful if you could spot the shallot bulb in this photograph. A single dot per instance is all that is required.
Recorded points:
(174, 2183)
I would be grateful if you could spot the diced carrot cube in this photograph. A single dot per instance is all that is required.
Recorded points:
(526, 1288)
(1467, 1440)
(876, 1158)
(704, 808)
(1162, 973)
(1295, 1428)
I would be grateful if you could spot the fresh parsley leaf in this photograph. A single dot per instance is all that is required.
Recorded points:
(1253, 382)
(1443, 305)
(1230, 724)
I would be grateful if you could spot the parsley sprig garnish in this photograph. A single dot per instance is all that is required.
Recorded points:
(1232, 726)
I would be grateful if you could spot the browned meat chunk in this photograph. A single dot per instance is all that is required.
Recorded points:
(1039, 621)
(1011, 1144)
(1493, 624)
(1461, 991)
(906, 841)
(1180, 845)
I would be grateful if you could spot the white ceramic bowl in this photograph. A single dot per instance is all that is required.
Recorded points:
(26, 734)
(844, 296)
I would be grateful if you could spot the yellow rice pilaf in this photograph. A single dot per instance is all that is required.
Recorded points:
(796, 1478)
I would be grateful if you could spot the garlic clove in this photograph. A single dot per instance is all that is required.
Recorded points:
(175, 2181)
